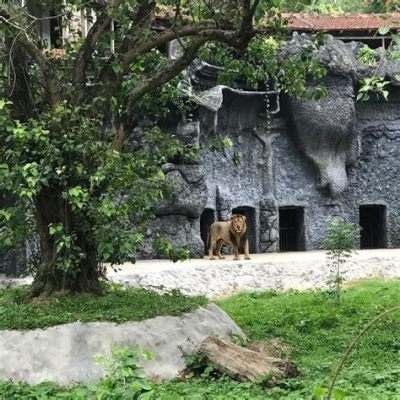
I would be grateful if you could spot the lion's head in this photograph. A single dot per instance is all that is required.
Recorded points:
(238, 223)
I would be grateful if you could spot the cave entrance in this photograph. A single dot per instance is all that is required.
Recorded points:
(206, 219)
(250, 214)
(291, 229)
(373, 227)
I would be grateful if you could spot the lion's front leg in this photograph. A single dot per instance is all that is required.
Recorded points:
(246, 250)
(236, 250)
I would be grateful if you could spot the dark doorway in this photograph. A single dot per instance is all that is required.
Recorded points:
(250, 214)
(373, 227)
(291, 229)
(55, 31)
(206, 219)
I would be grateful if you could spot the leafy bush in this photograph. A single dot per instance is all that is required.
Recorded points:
(163, 247)
(366, 55)
(124, 380)
(340, 243)
(374, 85)
(221, 143)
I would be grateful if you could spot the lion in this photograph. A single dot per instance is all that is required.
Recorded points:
(232, 233)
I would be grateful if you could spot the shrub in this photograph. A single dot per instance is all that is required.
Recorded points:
(340, 243)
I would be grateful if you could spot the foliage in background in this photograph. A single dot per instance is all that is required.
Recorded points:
(372, 86)
(382, 6)
(118, 304)
(290, 74)
(340, 244)
(366, 55)
(164, 247)
(340, 6)
(393, 51)
(220, 143)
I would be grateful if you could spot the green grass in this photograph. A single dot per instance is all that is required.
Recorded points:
(117, 305)
(319, 332)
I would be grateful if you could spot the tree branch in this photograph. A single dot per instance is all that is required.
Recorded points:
(168, 73)
(165, 37)
(52, 82)
(156, 81)
(85, 54)
(203, 32)
(44, 64)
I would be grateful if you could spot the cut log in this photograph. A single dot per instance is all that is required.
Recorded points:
(244, 364)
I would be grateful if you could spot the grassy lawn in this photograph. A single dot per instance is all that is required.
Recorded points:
(319, 332)
(117, 305)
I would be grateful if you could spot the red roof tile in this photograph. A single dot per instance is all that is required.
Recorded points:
(341, 22)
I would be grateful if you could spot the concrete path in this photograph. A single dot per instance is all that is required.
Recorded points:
(279, 271)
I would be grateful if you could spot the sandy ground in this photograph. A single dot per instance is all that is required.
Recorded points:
(279, 271)
(310, 256)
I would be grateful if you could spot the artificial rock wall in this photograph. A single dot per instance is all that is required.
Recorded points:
(325, 159)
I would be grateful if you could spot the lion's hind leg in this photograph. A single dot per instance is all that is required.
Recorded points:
(212, 246)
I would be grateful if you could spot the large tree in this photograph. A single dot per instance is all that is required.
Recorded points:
(75, 180)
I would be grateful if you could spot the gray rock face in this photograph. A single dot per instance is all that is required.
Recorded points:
(177, 217)
(65, 353)
(12, 262)
(325, 132)
(178, 229)
(269, 227)
(190, 193)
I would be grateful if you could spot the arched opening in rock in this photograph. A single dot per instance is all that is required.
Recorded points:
(206, 219)
(250, 214)
(373, 226)
(291, 228)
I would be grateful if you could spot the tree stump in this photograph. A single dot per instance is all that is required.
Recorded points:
(244, 364)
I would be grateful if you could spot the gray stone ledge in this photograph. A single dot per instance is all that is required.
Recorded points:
(65, 353)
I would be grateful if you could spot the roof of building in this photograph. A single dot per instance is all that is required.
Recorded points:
(341, 22)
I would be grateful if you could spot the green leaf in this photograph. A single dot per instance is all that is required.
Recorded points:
(383, 30)
(75, 191)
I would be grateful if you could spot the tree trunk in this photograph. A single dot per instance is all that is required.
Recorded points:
(243, 364)
(50, 277)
